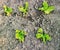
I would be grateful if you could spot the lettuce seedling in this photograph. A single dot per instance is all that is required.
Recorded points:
(20, 35)
(41, 35)
(46, 8)
(7, 10)
(24, 8)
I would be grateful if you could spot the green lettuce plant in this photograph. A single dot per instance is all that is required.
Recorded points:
(43, 36)
(20, 35)
(24, 8)
(46, 8)
(7, 10)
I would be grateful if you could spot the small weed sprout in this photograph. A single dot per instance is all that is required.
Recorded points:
(46, 8)
(7, 10)
(20, 35)
(24, 8)
(41, 35)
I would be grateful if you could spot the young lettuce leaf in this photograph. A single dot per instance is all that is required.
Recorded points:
(45, 5)
(51, 8)
(41, 35)
(7, 10)
(24, 8)
(20, 35)
(46, 8)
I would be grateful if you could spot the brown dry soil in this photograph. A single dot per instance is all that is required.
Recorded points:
(35, 19)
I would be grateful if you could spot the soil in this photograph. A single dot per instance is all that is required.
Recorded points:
(35, 19)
